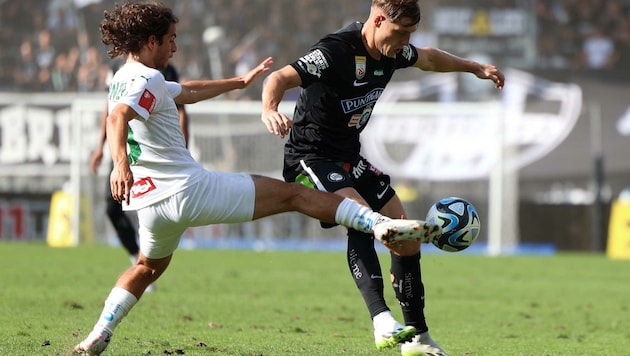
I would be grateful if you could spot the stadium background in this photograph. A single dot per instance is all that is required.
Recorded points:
(50, 55)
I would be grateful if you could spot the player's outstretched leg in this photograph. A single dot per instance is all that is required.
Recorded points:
(388, 231)
(422, 345)
(389, 333)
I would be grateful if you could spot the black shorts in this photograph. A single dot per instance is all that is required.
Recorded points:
(372, 184)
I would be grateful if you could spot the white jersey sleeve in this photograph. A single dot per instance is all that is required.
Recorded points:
(173, 88)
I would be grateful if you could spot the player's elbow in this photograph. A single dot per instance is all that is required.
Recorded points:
(284, 78)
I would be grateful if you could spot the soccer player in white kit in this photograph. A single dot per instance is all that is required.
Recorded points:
(155, 174)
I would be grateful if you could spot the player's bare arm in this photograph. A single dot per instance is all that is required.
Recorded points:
(198, 90)
(274, 88)
(436, 60)
(121, 178)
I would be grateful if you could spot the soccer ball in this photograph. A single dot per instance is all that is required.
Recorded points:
(459, 221)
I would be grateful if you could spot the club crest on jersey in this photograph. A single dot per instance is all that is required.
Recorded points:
(359, 65)
(147, 100)
(141, 187)
(335, 177)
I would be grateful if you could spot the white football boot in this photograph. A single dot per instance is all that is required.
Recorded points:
(422, 345)
(94, 344)
(388, 332)
(388, 231)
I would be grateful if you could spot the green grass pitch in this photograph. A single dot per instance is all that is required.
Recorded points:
(221, 302)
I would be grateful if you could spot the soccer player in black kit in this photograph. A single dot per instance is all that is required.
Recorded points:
(342, 77)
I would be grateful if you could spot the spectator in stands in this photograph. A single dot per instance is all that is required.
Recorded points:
(45, 52)
(63, 79)
(25, 75)
(62, 22)
(598, 50)
(92, 72)
(568, 46)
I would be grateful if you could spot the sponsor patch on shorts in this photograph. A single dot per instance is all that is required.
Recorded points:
(142, 186)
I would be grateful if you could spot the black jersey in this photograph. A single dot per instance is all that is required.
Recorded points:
(340, 86)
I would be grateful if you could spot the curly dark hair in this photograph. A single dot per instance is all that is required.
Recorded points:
(397, 10)
(128, 27)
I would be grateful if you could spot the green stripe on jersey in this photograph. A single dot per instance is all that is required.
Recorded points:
(134, 148)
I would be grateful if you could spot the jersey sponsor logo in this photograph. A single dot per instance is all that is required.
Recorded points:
(109, 315)
(116, 91)
(381, 194)
(336, 177)
(314, 63)
(407, 53)
(359, 65)
(379, 73)
(142, 187)
(147, 100)
(353, 257)
(350, 105)
(360, 120)
(354, 120)
(358, 170)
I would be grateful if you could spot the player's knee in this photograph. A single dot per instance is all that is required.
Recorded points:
(298, 194)
(144, 272)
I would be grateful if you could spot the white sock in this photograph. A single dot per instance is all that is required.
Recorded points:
(351, 214)
(384, 320)
(117, 305)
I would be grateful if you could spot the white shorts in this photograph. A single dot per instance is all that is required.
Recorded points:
(218, 198)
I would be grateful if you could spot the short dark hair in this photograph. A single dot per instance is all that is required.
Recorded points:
(397, 10)
(128, 27)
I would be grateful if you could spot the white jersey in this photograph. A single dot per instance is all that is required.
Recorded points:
(156, 149)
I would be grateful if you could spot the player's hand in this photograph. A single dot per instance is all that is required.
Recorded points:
(263, 67)
(121, 181)
(493, 73)
(95, 160)
(277, 123)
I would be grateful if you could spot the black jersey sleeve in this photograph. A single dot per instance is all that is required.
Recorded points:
(318, 65)
(407, 57)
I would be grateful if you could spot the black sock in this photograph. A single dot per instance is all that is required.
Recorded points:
(366, 270)
(407, 283)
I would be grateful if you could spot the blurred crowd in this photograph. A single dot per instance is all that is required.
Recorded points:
(583, 34)
(54, 45)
